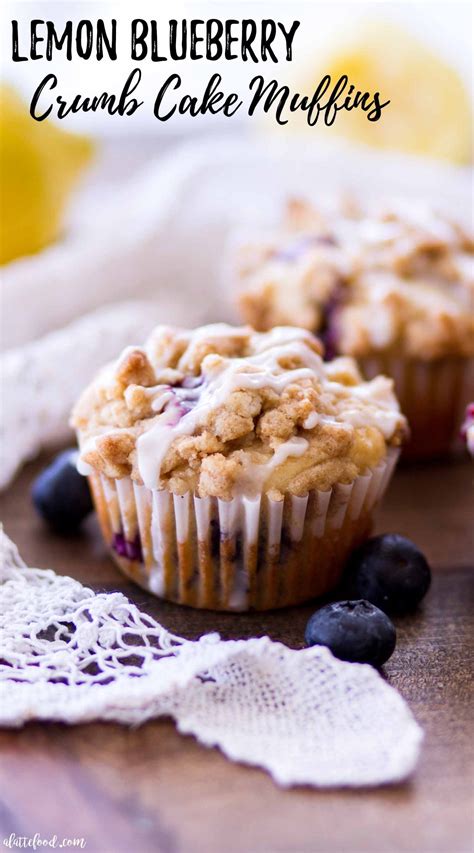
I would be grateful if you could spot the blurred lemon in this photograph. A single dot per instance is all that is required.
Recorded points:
(39, 165)
(429, 111)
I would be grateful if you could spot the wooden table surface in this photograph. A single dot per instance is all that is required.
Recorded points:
(150, 789)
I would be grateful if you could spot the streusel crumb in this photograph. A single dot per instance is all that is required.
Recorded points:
(396, 280)
(222, 410)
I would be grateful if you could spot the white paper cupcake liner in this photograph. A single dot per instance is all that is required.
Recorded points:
(246, 553)
(432, 394)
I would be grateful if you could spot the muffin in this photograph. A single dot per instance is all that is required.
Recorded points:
(390, 286)
(235, 470)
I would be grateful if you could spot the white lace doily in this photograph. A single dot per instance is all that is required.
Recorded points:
(71, 655)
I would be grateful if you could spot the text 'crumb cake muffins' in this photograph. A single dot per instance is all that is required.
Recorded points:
(392, 287)
(232, 469)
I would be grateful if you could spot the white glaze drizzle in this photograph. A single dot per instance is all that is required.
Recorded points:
(311, 421)
(183, 410)
(222, 376)
(256, 475)
(380, 413)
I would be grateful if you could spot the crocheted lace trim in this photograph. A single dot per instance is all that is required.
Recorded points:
(71, 655)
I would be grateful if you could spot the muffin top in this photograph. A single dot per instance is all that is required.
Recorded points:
(224, 411)
(397, 280)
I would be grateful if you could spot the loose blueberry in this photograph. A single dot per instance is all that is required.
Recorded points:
(390, 572)
(355, 631)
(61, 495)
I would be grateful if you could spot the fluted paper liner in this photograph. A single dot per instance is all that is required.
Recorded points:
(432, 394)
(246, 553)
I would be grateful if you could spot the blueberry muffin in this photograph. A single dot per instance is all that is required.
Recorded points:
(236, 470)
(390, 286)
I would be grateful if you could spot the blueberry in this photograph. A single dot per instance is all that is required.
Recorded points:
(355, 631)
(126, 548)
(390, 572)
(328, 329)
(61, 495)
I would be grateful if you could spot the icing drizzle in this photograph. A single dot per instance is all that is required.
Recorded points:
(181, 405)
(186, 407)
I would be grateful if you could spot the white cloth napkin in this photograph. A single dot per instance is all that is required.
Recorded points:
(41, 381)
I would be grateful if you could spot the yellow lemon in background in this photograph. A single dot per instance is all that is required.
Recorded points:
(429, 111)
(39, 165)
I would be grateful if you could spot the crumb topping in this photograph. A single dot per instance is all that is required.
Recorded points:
(222, 410)
(398, 279)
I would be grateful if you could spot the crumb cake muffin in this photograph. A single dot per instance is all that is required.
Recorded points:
(390, 286)
(232, 469)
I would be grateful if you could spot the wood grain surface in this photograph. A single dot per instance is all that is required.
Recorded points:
(150, 789)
